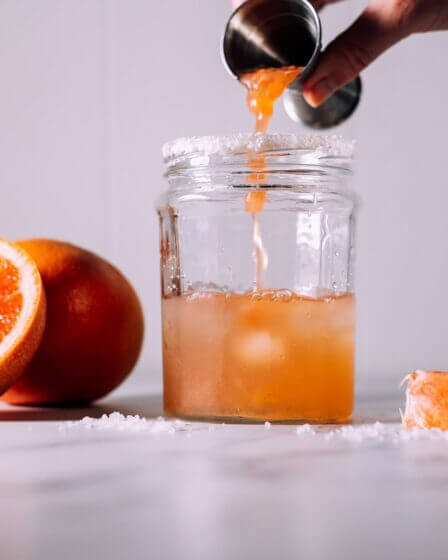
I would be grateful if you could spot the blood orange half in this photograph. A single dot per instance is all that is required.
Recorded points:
(22, 312)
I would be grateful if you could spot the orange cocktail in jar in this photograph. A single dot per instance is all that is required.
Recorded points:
(270, 355)
(233, 352)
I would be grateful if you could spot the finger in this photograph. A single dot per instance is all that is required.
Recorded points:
(319, 4)
(372, 33)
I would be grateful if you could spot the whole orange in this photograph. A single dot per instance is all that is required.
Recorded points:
(94, 328)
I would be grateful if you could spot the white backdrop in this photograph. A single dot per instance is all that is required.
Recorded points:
(89, 91)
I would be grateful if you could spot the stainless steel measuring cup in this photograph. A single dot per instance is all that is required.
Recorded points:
(276, 33)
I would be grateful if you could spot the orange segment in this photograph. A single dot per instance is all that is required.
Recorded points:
(427, 400)
(22, 312)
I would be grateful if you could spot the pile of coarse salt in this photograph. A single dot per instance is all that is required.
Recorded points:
(118, 422)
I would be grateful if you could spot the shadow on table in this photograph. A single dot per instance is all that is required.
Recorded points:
(373, 408)
(368, 409)
(149, 406)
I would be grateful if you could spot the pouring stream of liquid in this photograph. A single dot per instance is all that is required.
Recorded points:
(264, 87)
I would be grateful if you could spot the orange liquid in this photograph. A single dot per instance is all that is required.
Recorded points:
(264, 87)
(271, 355)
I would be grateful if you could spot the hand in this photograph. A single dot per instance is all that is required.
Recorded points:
(381, 25)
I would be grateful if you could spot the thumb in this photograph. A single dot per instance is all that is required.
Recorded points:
(376, 29)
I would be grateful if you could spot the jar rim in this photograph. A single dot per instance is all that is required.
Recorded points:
(189, 152)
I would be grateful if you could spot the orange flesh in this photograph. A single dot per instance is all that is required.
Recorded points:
(11, 299)
(271, 355)
(427, 400)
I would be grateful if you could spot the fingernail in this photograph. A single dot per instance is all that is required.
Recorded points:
(319, 92)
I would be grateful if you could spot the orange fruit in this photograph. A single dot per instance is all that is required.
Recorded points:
(426, 400)
(22, 312)
(94, 328)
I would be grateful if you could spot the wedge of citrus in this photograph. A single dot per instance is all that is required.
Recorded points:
(426, 400)
(22, 312)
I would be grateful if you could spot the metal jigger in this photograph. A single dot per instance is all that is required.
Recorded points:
(276, 33)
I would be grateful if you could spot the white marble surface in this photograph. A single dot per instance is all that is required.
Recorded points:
(240, 492)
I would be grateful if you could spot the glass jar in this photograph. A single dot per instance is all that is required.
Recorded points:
(258, 308)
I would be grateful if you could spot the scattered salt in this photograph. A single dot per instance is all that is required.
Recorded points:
(118, 422)
(377, 431)
(357, 434)
(418, 434)
(387, 433)
(306, 429)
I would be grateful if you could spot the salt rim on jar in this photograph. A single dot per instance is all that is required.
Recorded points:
(307, 148)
